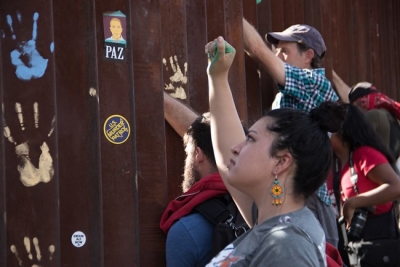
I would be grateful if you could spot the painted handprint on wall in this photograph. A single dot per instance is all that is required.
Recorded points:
(177, 80)
(33, 256)
(22, 127)
(30, 175)
(28, 62)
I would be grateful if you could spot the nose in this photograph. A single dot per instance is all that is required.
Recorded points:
(236, 149)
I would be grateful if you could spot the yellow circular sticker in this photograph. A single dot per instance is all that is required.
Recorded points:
(116, 129)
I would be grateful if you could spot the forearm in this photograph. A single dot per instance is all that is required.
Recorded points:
(257, 49)
(342, 89)
(382, 194)
(224, 119)
(226, 131)
(178, 115)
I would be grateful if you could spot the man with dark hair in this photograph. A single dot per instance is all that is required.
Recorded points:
(296, 67)
(189, 234)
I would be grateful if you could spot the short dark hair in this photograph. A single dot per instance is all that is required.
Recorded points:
(199, 134)
(316, 62)
(305, 137)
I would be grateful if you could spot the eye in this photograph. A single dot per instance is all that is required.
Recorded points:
(249, 138)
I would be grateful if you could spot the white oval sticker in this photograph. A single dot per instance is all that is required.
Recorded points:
(78, 239)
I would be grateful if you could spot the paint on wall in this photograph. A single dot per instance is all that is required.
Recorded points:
(21, 33)
(178, 79)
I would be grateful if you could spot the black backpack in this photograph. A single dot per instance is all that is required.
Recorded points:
(228, 223)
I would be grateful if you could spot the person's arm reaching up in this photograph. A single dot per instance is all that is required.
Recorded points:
(342, 89)
(258, 49)
(226, 128)
(179, 116)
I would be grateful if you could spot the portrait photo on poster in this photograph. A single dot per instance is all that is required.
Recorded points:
(114, 24)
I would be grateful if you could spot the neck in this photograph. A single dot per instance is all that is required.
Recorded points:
(267, 211)
(343, 155)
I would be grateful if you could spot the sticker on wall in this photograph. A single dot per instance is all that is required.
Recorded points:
(78, 239)
(116, 129)
(114, 24)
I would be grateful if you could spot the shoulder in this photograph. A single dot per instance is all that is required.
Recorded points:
(310, 79)
(193, 224)
(189, 241)
(366, 152)
(291, 243)
(367, 157)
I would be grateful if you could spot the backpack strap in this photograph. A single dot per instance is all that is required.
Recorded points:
(215, 210)
(223, 210)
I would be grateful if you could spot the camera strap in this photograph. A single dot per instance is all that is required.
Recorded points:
(353, 174)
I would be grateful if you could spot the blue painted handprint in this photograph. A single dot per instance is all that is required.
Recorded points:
(28, 62)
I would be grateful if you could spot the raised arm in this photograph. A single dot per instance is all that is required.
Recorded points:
(256, 48)
(342, 89)
(226, 128)
(178, 115)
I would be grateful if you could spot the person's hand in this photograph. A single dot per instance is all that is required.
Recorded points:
(348, 212)
(220, 57)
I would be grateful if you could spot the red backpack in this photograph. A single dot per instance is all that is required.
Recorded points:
(333, 258)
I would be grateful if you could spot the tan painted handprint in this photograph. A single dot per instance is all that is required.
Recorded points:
(34, 253)
(30, 175)
(178, 80)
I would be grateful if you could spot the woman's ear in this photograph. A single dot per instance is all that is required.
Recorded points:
(284, 162)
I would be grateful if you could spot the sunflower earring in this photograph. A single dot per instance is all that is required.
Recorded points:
(277, 192)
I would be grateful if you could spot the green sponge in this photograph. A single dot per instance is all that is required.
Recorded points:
(228, 49)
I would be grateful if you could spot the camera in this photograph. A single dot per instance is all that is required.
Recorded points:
(358, 222)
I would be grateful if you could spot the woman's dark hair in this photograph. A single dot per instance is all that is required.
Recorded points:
(316, 62)
(357, 131)
(199, 133)
(305, 137)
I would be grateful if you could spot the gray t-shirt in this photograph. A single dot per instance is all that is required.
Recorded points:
(292, 239)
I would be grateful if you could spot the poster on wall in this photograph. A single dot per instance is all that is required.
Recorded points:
(114, 24)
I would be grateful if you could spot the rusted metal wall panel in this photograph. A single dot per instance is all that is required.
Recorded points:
(116, 194)
(30, 147)
(364, 44)
(80, 201)
(176, 81)
(118, 161)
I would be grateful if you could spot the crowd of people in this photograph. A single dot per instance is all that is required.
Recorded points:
(301, 176)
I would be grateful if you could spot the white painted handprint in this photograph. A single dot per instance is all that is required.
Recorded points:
(28, 62)
(30, 175)
(36, 259)
(177, 80)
